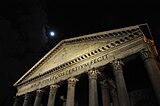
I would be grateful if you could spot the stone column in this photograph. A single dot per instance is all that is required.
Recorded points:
(38, 98)
(120, 83)
(114, 97)
(15, 101)
(71, 91)
(27, 99)
(63, 100)
(93, 93)
(152, 70)
(105, 93)
(52, 94)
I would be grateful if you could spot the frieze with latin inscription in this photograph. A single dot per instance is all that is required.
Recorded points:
(77, 69)
(57, 76)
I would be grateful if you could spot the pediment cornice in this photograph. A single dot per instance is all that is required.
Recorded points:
(126, 34)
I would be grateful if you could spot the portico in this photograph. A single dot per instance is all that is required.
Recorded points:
(71, 58)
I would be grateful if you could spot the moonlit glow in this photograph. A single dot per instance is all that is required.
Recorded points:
(52, 33)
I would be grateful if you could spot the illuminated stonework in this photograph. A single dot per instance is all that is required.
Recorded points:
(73, 57)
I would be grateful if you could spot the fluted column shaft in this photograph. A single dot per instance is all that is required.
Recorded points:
(52, 94)
(71, 91)
(114, 97)
(27, 99)
(105, 93)
(38, 98)
(152, 70)
(93, 93)
(120, 83)
(15, 101)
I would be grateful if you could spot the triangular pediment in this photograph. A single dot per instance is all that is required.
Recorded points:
(70, 49)
(69, 52)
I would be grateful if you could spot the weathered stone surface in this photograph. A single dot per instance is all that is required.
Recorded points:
(105, 93)
(120, 83)
(153, 71)
(71, 91)
(27, 99)
(39, 94)
(52, 94)
(93, 91)
(72, 57)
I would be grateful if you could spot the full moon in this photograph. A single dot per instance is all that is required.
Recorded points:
(52, 33)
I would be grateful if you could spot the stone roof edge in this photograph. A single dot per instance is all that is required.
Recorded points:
(66, 40)
(32, 68)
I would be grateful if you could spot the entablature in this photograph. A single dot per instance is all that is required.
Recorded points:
(101, 56)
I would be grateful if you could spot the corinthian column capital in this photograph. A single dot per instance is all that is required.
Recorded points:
(54, 86)
(117, 65)
(71, 91)
(93, 74)
(40, 90)
(145, 54)
(72, 81)
(52, 94)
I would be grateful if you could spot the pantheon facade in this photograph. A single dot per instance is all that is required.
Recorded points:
(90, 70)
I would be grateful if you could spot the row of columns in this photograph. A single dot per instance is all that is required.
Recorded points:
(119, 94)
(152, 70)
(93, 91)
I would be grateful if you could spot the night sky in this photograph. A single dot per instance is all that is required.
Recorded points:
(25, 26)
